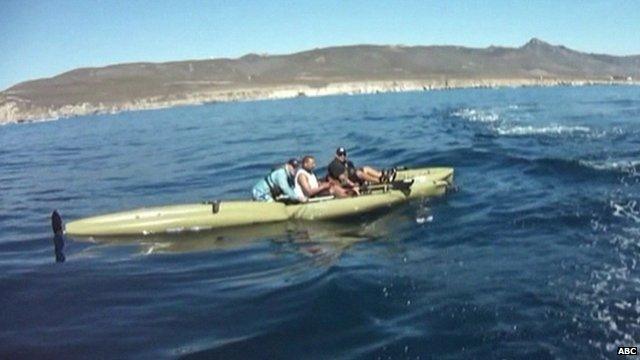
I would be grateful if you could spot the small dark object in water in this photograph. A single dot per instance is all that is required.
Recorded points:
(56, 222)
(58, 239)
(58, 245)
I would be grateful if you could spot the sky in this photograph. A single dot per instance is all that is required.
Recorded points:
(43, 38)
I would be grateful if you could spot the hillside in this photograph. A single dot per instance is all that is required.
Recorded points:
(347, 69)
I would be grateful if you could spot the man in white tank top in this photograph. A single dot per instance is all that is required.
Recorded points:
(306, 183)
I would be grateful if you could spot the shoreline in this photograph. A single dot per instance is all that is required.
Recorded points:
(12, 113)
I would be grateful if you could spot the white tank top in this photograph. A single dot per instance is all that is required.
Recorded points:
(311, 179)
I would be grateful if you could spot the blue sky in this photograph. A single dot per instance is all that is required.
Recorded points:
(42, 38)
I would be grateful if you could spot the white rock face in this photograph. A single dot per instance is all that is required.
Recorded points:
(9, 112)
(12, 111)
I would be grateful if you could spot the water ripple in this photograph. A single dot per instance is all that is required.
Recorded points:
(535, 256)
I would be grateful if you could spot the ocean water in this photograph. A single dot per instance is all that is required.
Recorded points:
(535, 256)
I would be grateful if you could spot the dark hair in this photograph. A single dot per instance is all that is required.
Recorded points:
(307, 158)
(294, 162)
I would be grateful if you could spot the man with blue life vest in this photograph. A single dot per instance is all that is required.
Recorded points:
(279, 184)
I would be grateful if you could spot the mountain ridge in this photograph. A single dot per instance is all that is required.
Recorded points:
(315, 72)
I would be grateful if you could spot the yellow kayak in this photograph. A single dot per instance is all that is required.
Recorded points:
(409, 184)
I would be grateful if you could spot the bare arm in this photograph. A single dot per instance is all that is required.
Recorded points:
(344, 179)
(306, 188)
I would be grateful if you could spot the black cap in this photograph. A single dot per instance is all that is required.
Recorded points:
(341, 151)
(294, 162)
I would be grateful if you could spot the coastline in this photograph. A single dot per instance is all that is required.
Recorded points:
(13, 110)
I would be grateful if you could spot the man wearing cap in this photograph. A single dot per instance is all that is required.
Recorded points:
(278, 184)
(343, 171)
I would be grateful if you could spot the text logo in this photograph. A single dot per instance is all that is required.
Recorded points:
(627, 350)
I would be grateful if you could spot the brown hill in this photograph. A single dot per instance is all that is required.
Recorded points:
(146, 85)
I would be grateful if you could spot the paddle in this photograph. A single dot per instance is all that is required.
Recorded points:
(321, 198)
(402, 185)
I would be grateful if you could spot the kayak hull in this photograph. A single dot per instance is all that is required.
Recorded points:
(427, 182)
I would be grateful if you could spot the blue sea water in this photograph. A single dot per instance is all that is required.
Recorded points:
(535, 256)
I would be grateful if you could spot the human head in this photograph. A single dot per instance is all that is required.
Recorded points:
(292, 165)
(341, 154)
(308, 162)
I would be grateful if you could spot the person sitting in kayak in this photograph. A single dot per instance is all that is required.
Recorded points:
(343, 171)
(279, 184)
(307, 184)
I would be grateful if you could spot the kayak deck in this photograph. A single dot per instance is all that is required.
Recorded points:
(424, 182)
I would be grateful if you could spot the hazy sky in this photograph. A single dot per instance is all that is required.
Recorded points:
(42, 38)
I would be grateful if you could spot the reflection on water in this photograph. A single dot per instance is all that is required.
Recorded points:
(324, 241)
(58, 245)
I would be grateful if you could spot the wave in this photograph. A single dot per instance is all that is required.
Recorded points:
(609, 294)
(628, 210)
(503, 122)
(484, 116)
(470, 156)
(631, 167)
(544, 130)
